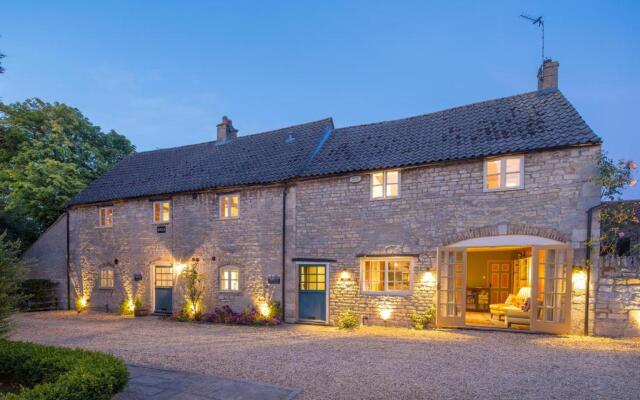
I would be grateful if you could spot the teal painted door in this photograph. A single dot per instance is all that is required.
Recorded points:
(312, 295)
(164, 289)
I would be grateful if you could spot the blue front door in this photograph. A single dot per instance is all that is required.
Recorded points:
(312, 295)
(164, 289)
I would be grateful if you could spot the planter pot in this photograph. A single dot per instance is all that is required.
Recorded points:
(141, 313)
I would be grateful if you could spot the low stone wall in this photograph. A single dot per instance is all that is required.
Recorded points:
(618, 297)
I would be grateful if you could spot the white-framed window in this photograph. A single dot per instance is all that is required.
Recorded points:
(106, 278)
(229, 205)
(161, 211)
(385, 184)
(386, 275)
(105, 217)
(504, 173)
(229, 279)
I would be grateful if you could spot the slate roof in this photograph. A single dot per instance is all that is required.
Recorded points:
(253, 159)
(531, 121)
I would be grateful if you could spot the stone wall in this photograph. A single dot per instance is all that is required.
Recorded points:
(438, 205)
(333, 218)
(252, 242)
(617, 303)
(47, 258)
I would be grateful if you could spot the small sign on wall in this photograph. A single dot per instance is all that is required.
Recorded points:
(273, 279)
(161, 229)
(137, 276)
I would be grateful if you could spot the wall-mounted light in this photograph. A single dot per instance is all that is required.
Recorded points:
(579, 280)
(428, 278)
(345, 275)
(179, 267)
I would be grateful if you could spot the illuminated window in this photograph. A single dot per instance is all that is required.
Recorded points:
(385, 184)
(229, 205)
(229, 281)
(105, 216)
(106, 278)
(161, 211)
(386, 276)
(504, 173)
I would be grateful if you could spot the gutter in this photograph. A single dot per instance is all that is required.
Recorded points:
(284, 249)
(588, 265)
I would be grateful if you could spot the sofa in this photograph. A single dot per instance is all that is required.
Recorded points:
(517, 316)
(512, 301)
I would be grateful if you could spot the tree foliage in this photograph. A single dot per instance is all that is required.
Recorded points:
(11, 273)
(616, 216)
(48, 153)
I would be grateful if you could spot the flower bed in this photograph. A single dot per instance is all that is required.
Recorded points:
(225, 315)
(45, 372)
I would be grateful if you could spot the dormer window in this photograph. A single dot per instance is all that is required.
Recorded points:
(385, 184)
(505, 173)
(229, 206)
(161, 212)
(105, 217)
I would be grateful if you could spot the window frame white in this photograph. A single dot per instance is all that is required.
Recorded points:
(386, 291)
(502, 187)
(105, 209)
(221, 209)
(112, 279)
(384, 184)
(153, 212)
(229, 268)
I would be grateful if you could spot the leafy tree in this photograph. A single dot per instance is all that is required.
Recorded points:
(617, 216)
(11, 273)
(48, 153)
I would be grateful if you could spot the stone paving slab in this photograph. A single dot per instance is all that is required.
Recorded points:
(162, 384)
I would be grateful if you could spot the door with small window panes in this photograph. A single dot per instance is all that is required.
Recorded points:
(163, 289)
(551, 289)
(312, 292)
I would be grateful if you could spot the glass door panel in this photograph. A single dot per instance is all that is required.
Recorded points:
(452, 276)
(551, 289)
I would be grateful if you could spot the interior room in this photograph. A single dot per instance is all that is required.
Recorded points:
(498, 287)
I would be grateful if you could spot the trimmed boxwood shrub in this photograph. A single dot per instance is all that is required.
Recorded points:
(50, 373)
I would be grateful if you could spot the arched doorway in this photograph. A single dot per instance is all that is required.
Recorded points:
(506, 281)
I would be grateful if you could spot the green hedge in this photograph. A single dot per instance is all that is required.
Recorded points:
(49, 373)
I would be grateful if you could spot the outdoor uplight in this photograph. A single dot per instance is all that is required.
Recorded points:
(385, 313)
(265, 310)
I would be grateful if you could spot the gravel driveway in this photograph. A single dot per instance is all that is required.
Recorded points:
(370, 363)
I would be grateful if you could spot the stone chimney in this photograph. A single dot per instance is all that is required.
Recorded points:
(548, 74)
(226, 131)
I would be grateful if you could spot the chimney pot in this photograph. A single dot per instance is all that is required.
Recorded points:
(226, 131)
(548, 74)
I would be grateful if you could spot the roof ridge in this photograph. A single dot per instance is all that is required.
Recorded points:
(327, 119)
(547, 90)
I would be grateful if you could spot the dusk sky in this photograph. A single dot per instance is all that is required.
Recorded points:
(163, 73)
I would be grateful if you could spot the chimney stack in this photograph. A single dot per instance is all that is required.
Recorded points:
(548, 74)
(226, 131)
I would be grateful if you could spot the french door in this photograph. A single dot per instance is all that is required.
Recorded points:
(452, 284)
(551, 289)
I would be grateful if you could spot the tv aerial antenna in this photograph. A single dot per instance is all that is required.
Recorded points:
(540, 22)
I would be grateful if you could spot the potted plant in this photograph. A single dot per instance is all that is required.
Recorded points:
(139, 310)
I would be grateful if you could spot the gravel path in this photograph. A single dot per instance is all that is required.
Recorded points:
(369, 363)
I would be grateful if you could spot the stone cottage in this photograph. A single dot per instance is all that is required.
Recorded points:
(479, 211)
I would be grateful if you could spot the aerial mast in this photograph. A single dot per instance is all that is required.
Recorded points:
(540, 22)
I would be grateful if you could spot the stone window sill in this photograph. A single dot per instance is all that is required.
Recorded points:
(386, 294)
